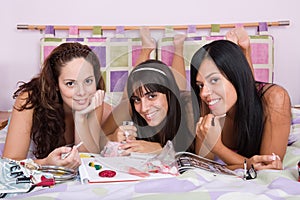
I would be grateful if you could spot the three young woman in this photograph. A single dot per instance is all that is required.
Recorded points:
(238, 118)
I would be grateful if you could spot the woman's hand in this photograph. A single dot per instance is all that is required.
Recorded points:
(260, 162)
(208, 130)
(95, 101)
(88, 124)
(140, 146)
(124, 133)
(55, 158)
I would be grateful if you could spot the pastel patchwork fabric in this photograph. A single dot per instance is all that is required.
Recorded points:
(261, 53)
(119, 54)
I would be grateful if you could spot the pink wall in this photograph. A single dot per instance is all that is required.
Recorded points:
(19, 50)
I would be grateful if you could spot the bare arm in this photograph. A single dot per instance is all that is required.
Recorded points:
(120, 113)
(209, 143)
(277, 108)
(235, 161)
(18, 140)
(88, 124)
(178, 65)
(18, 136)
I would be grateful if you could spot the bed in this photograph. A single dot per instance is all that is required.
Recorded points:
(193, 184)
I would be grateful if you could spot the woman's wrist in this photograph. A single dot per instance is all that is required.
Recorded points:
(79, 117)
(41, 161)
(219, 148)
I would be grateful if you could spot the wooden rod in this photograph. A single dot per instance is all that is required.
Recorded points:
(175, 27)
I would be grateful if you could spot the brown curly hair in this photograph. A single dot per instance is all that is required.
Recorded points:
(48, 126)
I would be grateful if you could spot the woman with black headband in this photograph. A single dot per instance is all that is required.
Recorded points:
(158, 111)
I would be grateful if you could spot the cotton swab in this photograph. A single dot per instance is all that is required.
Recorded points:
(67, 154)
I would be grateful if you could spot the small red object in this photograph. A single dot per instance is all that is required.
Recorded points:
(136, 172)
(299, 171)
(107, 173)
(46, 182)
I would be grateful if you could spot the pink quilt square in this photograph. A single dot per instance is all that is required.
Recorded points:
(167, 54)
(262, 75)
(73, 30)
(48, 50)
(260, 53)
(136, 50)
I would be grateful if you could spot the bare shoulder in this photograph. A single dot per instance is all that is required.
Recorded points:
(275, 96)
(275, 93)
(21, 115)
(21, 99)
(21, 120)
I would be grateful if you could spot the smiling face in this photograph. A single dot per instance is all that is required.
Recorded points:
(77, 84)
(152, 106)
(215, 90)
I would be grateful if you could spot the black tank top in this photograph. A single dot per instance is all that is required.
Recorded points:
(263, 87)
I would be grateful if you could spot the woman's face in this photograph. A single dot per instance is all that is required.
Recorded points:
(152, 106)
(77, 84)
(215, 90)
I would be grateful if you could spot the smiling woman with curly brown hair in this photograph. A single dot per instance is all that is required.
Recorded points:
(62, 105)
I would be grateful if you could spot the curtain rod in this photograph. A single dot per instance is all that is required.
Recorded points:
(205, 26)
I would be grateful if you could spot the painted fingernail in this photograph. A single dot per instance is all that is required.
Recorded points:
(278, 157)
(274, 156)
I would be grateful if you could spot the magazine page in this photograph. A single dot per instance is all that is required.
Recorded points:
(186, 161)
(98, 169)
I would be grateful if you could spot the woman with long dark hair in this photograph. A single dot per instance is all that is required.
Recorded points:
(157, 109)
(239, 118)
(164, 88)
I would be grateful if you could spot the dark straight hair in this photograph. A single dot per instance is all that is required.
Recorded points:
(231, 62)
(155, 76)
